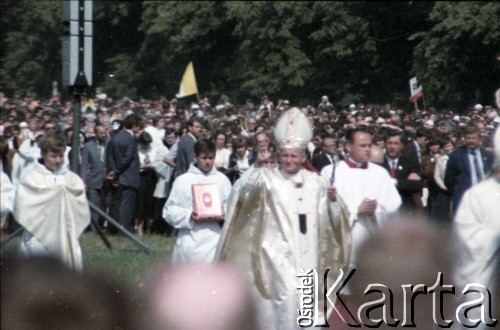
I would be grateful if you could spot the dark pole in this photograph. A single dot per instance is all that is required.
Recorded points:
(75, 141)
(119, 226)
(77, 75)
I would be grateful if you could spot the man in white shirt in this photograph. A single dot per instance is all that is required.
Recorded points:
(155, 126)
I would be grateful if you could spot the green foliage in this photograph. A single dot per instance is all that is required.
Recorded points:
(343, 54)
(389, 24)
(179, 32)
(458, 55)
(32, 47)
(351, 51)
(122, 74)
(116, 41)
(269, 44)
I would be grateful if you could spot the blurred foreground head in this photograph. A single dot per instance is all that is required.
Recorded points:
(406, 251)
(40, 293)
(199, 296)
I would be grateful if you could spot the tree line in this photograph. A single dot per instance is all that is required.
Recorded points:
(356, 51)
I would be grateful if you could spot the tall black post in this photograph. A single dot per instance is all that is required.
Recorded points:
(77, 63)
(77, 76)
(75, 141)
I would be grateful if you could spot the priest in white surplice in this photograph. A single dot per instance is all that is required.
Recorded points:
(477, 223)
(52, 207)
(365, 187)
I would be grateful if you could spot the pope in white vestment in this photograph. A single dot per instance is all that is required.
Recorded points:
(265, 240)
(281, 223)
(196, 240)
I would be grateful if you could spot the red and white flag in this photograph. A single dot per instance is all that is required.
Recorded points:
(415, 89)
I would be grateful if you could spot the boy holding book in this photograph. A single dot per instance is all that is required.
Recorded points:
(197, 205)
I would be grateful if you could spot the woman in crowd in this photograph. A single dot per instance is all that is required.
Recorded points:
(145, 205)
(222, 153)
(240, 160)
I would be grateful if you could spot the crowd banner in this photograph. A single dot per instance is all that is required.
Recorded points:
(415, 90)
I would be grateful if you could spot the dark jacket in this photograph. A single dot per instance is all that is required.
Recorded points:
(321, 160)
(185, 155)
(409, 190)
(93, 169)
(122, 158)
(457, 177)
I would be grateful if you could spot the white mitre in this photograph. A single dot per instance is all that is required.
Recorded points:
(293, 130)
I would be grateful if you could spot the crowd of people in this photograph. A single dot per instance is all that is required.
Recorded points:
(271, 189)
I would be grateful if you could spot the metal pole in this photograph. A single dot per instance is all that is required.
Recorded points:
(120, 228)
(111, 220)
(75, 141)
(98, 230)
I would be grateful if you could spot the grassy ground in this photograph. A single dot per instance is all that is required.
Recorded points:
(126, 263)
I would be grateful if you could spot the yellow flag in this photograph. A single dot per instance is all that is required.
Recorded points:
(188, 83)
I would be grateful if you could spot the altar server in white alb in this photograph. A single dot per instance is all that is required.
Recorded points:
(52, 207)
(365, 187)
(477, 223)
(197, 237)
(282, 223)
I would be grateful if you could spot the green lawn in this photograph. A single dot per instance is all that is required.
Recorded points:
(126, 263)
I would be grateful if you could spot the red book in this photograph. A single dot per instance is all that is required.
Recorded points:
(206, 200)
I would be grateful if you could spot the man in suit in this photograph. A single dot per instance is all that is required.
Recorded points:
(413, 149)
(124, 167)
(94, 170)
(185, 147)
(467, 166)
(314, 147)
(404, 173)
(327, 156)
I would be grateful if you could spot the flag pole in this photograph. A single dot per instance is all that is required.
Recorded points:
(423, 100)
